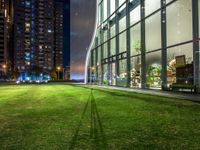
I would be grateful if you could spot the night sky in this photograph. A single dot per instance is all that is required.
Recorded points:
(81, 30)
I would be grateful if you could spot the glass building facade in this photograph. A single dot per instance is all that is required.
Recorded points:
(146, 44)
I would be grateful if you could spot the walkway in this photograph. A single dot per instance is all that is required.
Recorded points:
(186, 96)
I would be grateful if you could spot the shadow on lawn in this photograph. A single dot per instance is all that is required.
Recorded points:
(97, 135)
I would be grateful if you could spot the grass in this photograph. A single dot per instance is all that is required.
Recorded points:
(75, 117)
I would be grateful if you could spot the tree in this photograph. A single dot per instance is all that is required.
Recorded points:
(16, 73)
(54, 75)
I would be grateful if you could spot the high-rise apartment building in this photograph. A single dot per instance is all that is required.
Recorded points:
(59, 32)
(44, 30)
(2, 34)
(5, 31)
(24, 34)
(38, 34)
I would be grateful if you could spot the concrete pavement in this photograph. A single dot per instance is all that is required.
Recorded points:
(181, 95)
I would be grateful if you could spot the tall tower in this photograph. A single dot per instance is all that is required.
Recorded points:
(34, 35)
(5, 31)
(24, 34)
(45, 34)
(59, 33)
(2, 32)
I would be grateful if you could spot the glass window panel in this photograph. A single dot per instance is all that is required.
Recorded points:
(135, 15)
(112, 30)
(105, 50)
(153, 70)
(151, 6)
(111, 18)
(122, 42)
(93, 45)
(153, 32)
(122, 24)
(112, 6)
(93, 74)
(101, 13)
(167, 1)
(99, 55)
(99, 37)
(123, 6)
(105, 74)
(94, 57)
(113, 46)
(105, 9)
(135, 35)
(99, 75)
(135, 72)
(185, 75)
(121, 2)
(199, 17)
(179, 22)
(122, 77)
(105, 35)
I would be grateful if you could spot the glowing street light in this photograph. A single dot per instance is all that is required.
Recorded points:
(4, 66)
(58, 68)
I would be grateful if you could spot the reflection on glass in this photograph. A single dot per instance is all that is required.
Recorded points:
(105, 35)
(122, 24)
(112, 6)
(112, 31)
(151, 6)
(122, 42)
(112, 47)
(105, 9)
(99, 55)
(135, 15)
(105, 50)
(179, 22)
(153, 32)
(135, 35)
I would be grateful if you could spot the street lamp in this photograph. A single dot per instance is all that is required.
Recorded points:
(58, 68)
(4, 68)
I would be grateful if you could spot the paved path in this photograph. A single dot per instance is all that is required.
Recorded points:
(187, 96)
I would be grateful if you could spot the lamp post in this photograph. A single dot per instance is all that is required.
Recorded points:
(58, 68)
(63, 73)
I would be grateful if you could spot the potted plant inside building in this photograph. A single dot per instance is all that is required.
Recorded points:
(153, 75)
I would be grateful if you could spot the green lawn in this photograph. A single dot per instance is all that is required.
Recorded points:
(59, 116)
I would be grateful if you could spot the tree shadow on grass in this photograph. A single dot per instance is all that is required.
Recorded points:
(97, 135)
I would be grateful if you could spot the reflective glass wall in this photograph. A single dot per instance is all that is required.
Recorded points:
(146, 44)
